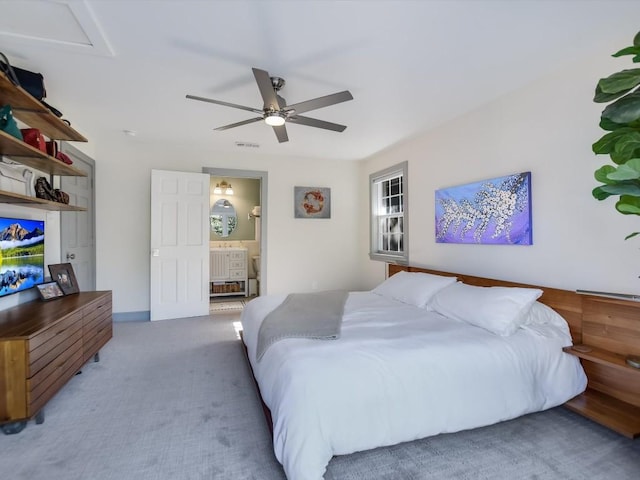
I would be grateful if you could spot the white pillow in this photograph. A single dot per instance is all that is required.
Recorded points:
(541, 314)
(414, 288)
(501, 310)
(546, 322)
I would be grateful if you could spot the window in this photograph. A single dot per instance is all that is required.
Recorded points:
(389, 218)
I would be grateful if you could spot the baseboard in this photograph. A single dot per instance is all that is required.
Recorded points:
(144, 316)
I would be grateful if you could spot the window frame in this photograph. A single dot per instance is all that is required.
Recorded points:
(375, 250)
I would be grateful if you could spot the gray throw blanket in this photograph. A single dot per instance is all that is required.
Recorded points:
(303, 315)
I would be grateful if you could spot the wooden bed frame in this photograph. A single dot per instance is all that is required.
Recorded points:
(609, 328)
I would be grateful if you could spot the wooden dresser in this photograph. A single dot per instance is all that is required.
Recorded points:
(43, 345)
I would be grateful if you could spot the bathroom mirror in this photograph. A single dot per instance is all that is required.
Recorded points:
(223, 218)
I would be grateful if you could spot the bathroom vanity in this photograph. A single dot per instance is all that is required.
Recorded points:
(228, 272)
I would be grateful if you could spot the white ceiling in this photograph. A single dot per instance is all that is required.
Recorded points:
(113, 65)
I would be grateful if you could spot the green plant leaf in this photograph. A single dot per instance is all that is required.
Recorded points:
(636, 40)
(622, 157)
(624, 110)
(622, 188)
(603, 97)
(607, 142)
(599, 194)
(610, 126)
(628, 205)
(602, 173)
(626, 148)
(627, 171)
(634, 50)
(621, 81)
(631, 235)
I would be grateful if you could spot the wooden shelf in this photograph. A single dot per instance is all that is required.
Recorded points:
(600, 407)
(32, 157)
(34, 202)
(603, 357)
(615, 414)
(30, 111)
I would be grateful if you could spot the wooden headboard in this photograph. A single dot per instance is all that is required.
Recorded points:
(609, 328)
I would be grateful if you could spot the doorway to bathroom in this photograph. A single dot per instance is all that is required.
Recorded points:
(238, 244)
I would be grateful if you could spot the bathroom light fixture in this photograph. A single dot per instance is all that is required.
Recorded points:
(221, 187)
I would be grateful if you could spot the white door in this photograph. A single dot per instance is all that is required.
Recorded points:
(179, 244)
(77, 229)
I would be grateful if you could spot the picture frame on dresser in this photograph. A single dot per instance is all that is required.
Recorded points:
(49, 291)
(63, 275)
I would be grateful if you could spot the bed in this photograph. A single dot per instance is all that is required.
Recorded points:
(407, 364)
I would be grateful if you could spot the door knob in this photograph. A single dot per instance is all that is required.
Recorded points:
(71, 256)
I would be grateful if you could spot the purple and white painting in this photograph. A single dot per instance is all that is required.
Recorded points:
(495, 212)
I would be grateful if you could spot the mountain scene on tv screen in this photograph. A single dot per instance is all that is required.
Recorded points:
(21, 255)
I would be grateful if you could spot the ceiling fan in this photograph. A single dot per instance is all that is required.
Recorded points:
(276, 112)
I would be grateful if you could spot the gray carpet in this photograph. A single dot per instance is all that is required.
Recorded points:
(173, 400)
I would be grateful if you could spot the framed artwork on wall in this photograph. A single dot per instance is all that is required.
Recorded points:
(63, 275)
(312, 202)
(495, 212)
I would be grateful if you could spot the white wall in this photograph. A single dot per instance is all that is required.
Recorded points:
(302, 254)
(548, 129)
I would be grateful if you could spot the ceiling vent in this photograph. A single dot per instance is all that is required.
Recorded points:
(247, 145)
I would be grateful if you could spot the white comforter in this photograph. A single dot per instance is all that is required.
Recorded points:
(400, 373)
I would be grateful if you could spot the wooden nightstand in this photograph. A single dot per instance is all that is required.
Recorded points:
(613, 392)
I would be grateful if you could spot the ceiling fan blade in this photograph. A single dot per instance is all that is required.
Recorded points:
(314, 122)
(226, 104)
(281, 133)
(239, 124)
(266, 89)
(321, 102)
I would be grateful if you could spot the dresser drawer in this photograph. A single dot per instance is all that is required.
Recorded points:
(48, 352)
(237, 274)
(44, 384)
(92, 345)
(238, 256)
(92, 325)
(48, 335)
(237, 264)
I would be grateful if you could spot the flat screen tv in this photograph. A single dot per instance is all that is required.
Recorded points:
(21, 254)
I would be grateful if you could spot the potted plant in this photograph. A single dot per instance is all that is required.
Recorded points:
(621, 120)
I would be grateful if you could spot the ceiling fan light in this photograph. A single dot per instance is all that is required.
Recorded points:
(274, 119)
